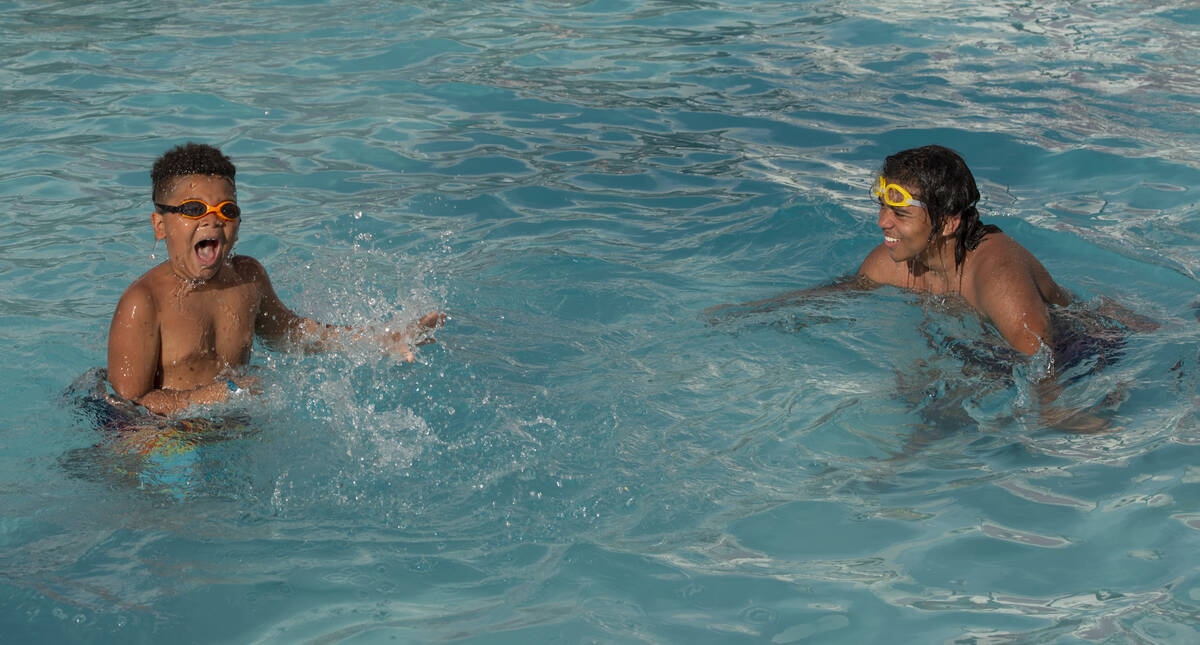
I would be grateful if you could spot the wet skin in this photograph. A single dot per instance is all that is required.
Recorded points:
(182, 329)
(999, 278)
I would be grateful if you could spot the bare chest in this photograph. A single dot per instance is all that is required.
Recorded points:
(204, 332)
(916, 277)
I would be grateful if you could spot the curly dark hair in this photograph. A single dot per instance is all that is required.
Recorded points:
(943, 181)
(188, 159)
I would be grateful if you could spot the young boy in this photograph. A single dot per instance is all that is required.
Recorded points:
(181, 331)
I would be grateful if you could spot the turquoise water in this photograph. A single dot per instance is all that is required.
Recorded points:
(583, 457)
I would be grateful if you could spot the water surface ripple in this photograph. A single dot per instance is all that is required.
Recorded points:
(583, 456)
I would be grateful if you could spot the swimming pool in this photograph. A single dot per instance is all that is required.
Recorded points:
(583, 457)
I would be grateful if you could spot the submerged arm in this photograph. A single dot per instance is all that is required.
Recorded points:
(722, 313)
(1101, 328)
(1070, 419)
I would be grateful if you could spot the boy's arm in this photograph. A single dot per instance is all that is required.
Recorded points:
(134, 342)
(161, 401)
(281, 327)
(792, 298)
(1008, 295)
(867, 277)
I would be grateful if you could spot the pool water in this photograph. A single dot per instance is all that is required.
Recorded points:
(586, 455)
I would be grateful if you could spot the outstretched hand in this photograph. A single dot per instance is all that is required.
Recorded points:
(400, 343)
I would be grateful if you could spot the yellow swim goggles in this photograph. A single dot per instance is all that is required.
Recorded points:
(893, 194)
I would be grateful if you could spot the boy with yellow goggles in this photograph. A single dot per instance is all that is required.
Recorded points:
(946, 249)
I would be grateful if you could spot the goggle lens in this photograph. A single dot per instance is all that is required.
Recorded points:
(195, 209)
(893, 194)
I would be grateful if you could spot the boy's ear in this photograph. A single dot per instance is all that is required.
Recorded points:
(950, 226)
(160, 229)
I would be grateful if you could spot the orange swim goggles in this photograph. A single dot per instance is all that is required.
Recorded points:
(196, 209)
(894, 194)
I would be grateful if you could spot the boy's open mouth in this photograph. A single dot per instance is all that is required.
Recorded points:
(206, 251)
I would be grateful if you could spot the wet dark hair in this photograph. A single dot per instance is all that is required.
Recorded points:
(943, 181)
(188, 159)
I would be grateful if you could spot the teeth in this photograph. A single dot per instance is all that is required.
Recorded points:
(890, 239)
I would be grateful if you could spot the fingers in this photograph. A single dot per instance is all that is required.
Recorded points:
(424, 325)
(432, 319)
(402, 344)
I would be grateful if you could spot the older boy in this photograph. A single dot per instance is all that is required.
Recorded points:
(934, 242)
(181, 330)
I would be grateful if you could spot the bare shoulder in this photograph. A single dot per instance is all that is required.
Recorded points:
(879, 267)
(144, 294)
(139, 300)
(1000, 249)
(134, 335)
(274, 318)
(249, 271)
(1009, 286)
(1000, 263)
(247, 268)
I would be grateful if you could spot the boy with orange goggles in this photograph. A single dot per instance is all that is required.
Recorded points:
(182, 330)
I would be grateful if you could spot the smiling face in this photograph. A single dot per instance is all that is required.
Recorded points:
(906, 230)
(199, 249)
(908, 234)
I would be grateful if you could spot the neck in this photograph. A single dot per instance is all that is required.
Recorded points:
(938, 259)
(186, 284)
